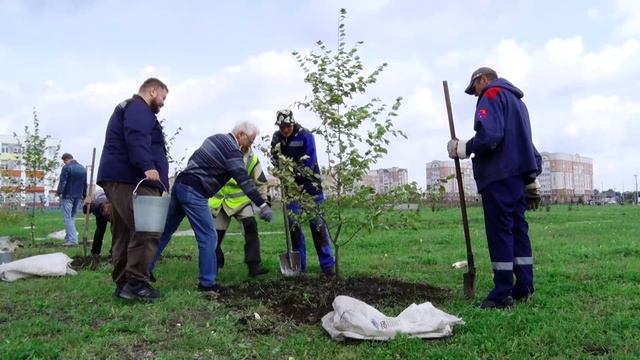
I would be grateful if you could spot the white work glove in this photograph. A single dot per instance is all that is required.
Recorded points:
(457, 149)
(266, 213)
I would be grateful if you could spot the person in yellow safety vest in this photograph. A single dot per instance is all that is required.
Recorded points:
(229, 202)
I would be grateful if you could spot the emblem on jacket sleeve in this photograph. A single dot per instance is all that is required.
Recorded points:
(483, 114)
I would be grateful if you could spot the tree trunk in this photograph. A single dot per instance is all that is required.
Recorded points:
(337, 258)
(31, 220)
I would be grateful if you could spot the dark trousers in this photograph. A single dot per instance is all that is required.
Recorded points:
(251, 242)
(132, 251)
(98, 236)
(320, 235)
(507, 231)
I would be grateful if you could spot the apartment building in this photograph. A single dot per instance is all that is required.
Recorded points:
(444, 173)
(384, 180)
(14, 173)
(566, 177)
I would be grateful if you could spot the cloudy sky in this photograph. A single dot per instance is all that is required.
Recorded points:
(578, 63)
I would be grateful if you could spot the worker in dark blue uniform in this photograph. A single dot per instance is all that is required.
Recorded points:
(505, 167)
(297, 143)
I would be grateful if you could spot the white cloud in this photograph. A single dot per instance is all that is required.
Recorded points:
(629, 11)
(604, 117)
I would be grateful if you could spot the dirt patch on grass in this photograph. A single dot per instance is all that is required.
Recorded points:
(595, 350)
(305, 300)
(140, 351)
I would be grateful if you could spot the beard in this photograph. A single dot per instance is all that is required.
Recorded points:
(155, 107)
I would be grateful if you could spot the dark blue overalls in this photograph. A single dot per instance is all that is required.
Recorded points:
(296, 146)
(505, 161)
(507, 230)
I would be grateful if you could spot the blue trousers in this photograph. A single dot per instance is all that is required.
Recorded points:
(185, 201)
(507, 231)
(320, 235)
(69, 209)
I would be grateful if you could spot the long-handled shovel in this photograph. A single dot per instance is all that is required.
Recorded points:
(469, 277)
(290, 264)
(86, 216)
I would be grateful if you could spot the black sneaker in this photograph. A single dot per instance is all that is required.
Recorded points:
(257, 270)
(212, 289)
(143, 292)
(497, 304)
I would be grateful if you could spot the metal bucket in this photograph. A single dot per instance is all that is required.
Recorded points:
(150, 212)
(6, 257)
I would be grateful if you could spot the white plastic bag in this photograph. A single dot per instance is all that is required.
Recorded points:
(356, 319)
(56, 264)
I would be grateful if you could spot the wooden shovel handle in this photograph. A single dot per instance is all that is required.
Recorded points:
(463, 203)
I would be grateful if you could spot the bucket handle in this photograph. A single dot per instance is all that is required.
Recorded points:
(140, 182)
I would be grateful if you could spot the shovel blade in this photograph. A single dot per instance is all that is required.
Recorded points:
(290, 263)
(469, 282)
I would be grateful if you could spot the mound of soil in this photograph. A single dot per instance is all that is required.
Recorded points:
(305, 300)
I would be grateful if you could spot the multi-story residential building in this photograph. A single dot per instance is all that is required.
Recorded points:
(566, 177)
(444, 173)
(13, 173)
(384, 180)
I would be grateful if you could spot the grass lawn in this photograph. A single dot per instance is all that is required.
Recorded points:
(586, 305)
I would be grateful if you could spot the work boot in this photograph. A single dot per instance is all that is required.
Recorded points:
(95, 261)
(330, 272)
(255, 269)
(497, 304)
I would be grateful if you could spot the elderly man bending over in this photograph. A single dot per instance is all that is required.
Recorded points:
(209, 168)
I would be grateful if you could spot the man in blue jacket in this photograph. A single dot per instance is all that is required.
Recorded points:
(298, 143)
(505, 167)
(72, 189)
(134, 149)
(209, 168)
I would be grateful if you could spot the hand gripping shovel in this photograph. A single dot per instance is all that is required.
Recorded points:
(289, 261)
(469, 278)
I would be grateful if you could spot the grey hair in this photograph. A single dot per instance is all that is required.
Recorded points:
(245, 127)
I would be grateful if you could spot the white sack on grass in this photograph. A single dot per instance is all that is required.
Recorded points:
(56, 264)
(356, 319)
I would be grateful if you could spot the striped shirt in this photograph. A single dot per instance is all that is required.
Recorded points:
(214, 163)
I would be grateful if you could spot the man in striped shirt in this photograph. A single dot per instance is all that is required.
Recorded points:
(209, 168)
